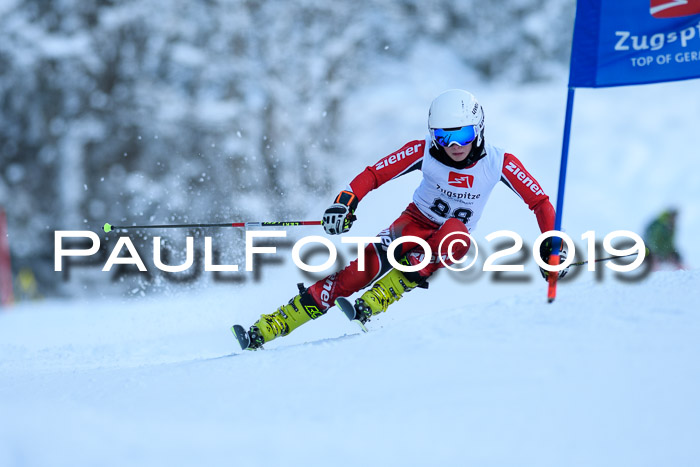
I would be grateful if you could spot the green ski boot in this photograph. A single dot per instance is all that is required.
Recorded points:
(383, 293)
(285, 319)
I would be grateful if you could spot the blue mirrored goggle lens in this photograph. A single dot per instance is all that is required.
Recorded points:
(461, 136)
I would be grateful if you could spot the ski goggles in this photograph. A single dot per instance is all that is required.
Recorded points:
(459, 136)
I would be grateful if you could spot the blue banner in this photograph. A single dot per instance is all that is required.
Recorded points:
(625, 42)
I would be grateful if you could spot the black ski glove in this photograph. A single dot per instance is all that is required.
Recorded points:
(546, 252)
(339, 217)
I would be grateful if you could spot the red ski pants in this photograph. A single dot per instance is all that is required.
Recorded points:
(410, 223)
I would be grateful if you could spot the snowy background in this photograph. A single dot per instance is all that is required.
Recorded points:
(138, 112)
(473, 371)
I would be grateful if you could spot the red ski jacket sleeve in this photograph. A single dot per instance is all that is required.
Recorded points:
(405, 160)
(524, 185)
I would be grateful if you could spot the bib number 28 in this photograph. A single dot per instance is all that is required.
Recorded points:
(442, 209)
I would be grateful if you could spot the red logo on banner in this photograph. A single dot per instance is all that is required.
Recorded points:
(674, 8)
(460, 180)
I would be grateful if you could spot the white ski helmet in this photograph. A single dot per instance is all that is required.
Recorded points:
(456, 108)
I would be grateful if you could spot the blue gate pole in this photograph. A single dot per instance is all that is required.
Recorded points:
(556, 242)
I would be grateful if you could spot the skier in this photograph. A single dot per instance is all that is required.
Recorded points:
(459, 171)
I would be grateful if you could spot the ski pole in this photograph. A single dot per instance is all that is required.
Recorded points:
(109, 227)
(581, 263)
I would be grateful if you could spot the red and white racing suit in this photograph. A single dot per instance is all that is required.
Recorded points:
(448, 200)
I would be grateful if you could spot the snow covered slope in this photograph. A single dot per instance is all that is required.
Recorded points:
(608, 376)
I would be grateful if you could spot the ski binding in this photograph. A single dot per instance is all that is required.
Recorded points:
(349, 310)
(242, 337)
